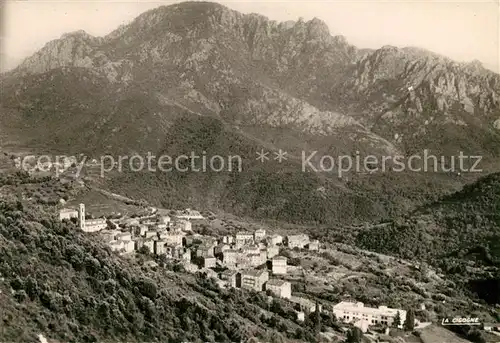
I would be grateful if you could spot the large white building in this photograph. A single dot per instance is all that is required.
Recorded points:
(355, 312)
(313, 245)
(230, 257)
(209, 262)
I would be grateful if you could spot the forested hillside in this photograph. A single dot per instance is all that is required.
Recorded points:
(68, 286)
(459, 233)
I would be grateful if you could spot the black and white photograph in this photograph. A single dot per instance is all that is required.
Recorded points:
(269, 171)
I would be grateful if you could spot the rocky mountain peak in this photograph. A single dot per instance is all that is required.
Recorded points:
(388, 48)
(72, 49)
(155, 30)
(318, 28)
(79, 34)
(340, 40)
(300, 56)
(475, 67)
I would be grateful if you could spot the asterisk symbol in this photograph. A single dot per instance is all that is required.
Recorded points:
(280, 155)
(262, 155)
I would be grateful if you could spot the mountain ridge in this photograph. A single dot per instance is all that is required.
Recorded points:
(260, 35)
(290, 86)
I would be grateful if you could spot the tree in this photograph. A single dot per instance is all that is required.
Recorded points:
(148, 288)
(299, 333)
(144, 250)
(355, 335)
(276, 337)
(317, 319)
(276, 307)
(410, 320)
(397, 320)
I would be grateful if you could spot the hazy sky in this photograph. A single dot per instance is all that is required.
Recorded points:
(461, 30)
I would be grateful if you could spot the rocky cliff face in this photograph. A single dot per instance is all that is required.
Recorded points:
(207, 59)
(249, 70)
(299, 56)
(245, 67)
(79, 50)
(412, 94)
(446, 82)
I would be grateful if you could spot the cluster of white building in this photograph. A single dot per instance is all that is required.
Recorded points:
(252, 257)
(159, 233)
(256, 280)
(249, 258)
(163, 235)
(245, 250)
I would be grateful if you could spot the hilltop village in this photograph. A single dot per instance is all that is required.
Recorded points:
(246, 260)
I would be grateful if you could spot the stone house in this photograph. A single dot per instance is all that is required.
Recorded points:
(279, 265)
(297, 241)
(259, 235)
(244, 238)
(279, 288)
(229, 276)
(254, 279)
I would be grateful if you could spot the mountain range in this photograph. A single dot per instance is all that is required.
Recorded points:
(198, 76)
